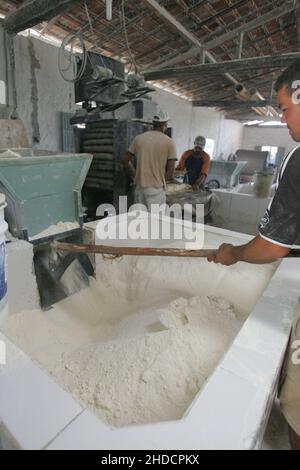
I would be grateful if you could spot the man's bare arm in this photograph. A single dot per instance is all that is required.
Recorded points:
(127, 163)
(257, 251)
(201, 178)
(170, 169)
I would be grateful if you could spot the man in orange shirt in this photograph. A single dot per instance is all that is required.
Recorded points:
(196, 164)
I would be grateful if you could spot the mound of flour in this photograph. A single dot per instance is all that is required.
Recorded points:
(156, 364)
(139, 343)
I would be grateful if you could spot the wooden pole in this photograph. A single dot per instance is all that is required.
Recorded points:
(245, 64)
(32, 12)
(131, 251)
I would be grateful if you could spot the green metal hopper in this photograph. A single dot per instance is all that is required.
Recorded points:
(227, 173)
(42, 191)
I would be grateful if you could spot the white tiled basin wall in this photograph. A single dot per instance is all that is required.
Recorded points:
(230, 412)
(238, 212)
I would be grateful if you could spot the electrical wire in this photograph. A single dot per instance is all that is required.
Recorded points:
(93, 33)
(131, 57)
(89, 18)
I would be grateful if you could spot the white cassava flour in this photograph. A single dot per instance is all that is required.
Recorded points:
(157, 363)
(139, 343)
(60, 227)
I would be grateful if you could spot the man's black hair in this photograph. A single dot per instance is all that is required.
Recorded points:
(288, 76)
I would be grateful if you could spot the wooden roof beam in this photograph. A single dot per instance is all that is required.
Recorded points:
(253, 24)
(256, 23)
(276, 61)
(233, 103)
(34, 12)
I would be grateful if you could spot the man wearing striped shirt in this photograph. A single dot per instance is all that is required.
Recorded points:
(279, 230)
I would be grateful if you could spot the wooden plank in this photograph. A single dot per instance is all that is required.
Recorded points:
(13, 133)
(97, 148)
(98, 141)
(262, 62)
(198, 47)
(131, 251)
(102, 175)
(276, 13)
(233, 103)
(100, 125)
(103, 166)
(34, 12)
(103, 156)
(94, 135)
(96, 179)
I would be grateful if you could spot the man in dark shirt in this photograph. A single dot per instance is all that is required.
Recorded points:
(278, 232)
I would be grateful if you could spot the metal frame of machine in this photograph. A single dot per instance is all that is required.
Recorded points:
(42, 191)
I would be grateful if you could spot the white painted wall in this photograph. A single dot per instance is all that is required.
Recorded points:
(275, 136)
(41, 92)
(2, 67)
(2, 92)
(2, 54)
(181, 117)
(188, 122)
(207, 122)
(230, 137)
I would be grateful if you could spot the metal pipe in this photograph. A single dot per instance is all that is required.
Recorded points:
(247, 95)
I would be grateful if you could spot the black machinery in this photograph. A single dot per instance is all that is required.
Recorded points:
(114, 109)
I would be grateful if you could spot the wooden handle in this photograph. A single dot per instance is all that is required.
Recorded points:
(136, 251)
